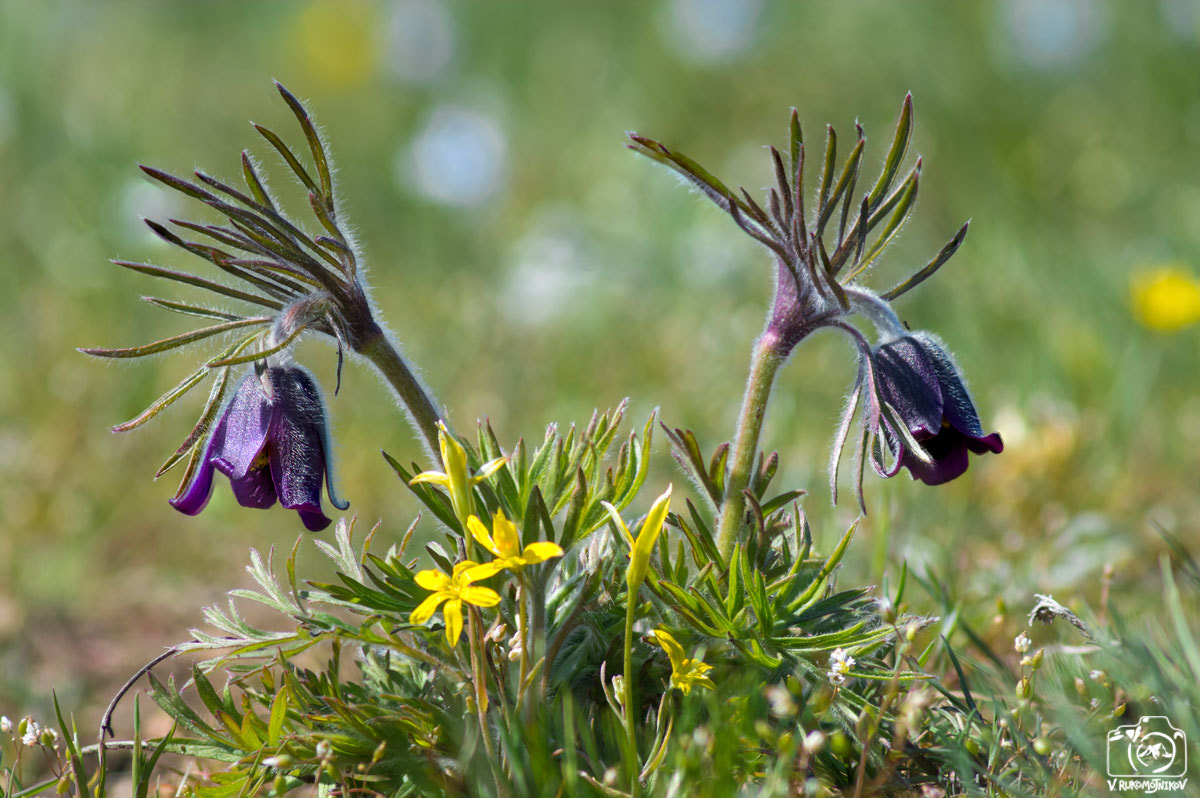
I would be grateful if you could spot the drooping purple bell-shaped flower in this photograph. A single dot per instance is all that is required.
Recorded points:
(271, 441)
(918, 378)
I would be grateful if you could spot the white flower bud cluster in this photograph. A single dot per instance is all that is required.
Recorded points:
(840, 663)
(29, 731)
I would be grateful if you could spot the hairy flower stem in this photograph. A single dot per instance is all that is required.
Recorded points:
(764, 365)
(627, 683)
(380, 350)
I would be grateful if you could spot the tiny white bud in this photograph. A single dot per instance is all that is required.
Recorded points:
(6, 725)
(30, 739)
(1022, 643)
(814, 741)
(324, 750)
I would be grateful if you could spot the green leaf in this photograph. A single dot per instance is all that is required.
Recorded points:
(891, 163)
(175, 341)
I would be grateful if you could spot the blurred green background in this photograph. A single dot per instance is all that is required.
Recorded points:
(535, 269)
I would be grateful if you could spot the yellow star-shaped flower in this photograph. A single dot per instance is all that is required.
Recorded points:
(454, 590)
(685, 673)
(505, 544)
(456, 479)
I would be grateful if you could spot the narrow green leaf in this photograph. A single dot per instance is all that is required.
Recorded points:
(162, 402)
(200, 282)
(190, 310)
(927, 271)
(176, 341)
(289, 157)
(314, 143)
(891, 163)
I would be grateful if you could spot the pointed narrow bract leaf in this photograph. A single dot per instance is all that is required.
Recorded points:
(846, 180)
(176, 341)
(314, 143)
(209, 414)
(903, 206)
(190, 310)
(827, 171)
(927, 271)
(895, 155)
(261, 353)
(256, 186)
(200, 282)
(163, 402)
(289, 157)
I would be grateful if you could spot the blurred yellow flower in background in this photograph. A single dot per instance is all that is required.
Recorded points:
(337, 40)
(1165, 298)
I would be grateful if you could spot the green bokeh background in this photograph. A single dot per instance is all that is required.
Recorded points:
(1066, 131)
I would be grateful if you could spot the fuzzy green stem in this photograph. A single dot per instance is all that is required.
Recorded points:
(477, 676)
(523, 615)
(764, 365)
(380, 350)
(627, 682)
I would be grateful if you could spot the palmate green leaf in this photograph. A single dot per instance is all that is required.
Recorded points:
(810, 594)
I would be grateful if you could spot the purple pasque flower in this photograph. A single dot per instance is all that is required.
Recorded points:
(271, 441)
(918, 414)
(918, 378)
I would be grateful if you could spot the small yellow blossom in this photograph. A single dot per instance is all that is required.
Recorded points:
(505, 544)
(338, 42)
(456, 479)
(641, 548)
(454, 590)
(685, 673)
(1166, 298)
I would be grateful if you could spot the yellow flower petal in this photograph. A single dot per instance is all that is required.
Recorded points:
(454, 460)
(616, 519)
(452, 612)
(479, 596)
(541, 551)
(426, 608)
(480, 533)
(436, 477)
(487, 469)
(643, 546)
(671, 646)
(508, 544)
(474, 572)
(431, 579)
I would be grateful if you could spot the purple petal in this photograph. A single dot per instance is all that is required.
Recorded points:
(296, 444)
(908, 381)
(247, 421)
(949, 453)
(255, 489)
(199, 490)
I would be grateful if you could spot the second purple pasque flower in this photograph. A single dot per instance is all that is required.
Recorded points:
(271, 442)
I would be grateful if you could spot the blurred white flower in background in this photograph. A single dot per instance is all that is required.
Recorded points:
(421, 40)
(711, 30)
(1053, 32)
(458, 157)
